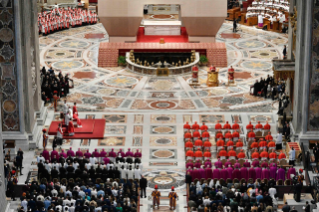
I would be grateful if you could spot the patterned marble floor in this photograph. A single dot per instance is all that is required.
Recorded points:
(117, 89)
(147, 113)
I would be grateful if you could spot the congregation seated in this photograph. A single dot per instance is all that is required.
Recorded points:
(53, 86)
(94, 165)
(81, 194)
(265, 87)
(60, 18)
(230, 195)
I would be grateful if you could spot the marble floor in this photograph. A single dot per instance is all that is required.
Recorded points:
(148, 113)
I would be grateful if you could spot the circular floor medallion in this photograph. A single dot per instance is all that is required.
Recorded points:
(74, 44)
(163, 141)
(165, 179)
(163, 105)
(163, 129)
(121, 81)
(67, 65)
(251, 44)
(163, 153)
(163, 118)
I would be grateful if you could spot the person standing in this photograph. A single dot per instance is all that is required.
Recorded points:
(20, 152)
(284, 52)
(234, 25)
(172, 199)
(156, 197)
(292, 156)
(279, 141)
(45, 138)
(19, 163)
(307, 207)
(316, 152)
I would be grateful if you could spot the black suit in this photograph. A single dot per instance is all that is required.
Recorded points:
(143, 185)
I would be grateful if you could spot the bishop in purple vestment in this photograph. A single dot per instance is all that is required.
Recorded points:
(223, 173)
(265, 173)
(79, 153)
(227, 163)
(216, 173)
(236, 174)
(272, 172)
(281, 174)
(62, 154)
(70, 152)
(218, 164)
(246, 164)
(252, 173)
(46, 155)
(54, 154)
(208, 163)
(229, 172)
(209, 172)
(244, 173)
(258, 172)
(202, 172)
(255, 163)
(292, 170)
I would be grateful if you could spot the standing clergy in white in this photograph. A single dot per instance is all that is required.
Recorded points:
(67, 119)
(137, 173)
(65, 107)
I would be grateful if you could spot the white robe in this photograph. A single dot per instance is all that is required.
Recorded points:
(137, 174)
(123, 173)
(130, 174)
(67, 119)
(71, 112)
(65, 108)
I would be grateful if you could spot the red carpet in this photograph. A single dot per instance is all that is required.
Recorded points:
(141, 38)
(91, 129)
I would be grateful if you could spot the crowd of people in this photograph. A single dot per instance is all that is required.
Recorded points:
(59, 18)
(268, 88)
(92, 182)
(54, 87)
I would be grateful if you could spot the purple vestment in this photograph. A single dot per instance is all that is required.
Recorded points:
(96, 154)
(244, 173)
(137, 154)
(252, 174)
(216, 174)
(70, 153)
(209, 173)
(229, 172)
(103, 154)
(265, 174)
(237, 165)
(219, 164)
(202, 173)
(255, 163)
(236, 174)
(79, 153)
(223, 173)
(198, 164)
(196, 174)
(112, 154)
(258, 172)
(272, 172)
(228, 163)
(264, 165)
(190, 164)
(46, 155)
(62, 154)
(208, 163)
(247, 164)
(281, 174)
(87, 155)
(129, 153)
(106, 160)
(56, 154)
(121, 153)
(291, 171)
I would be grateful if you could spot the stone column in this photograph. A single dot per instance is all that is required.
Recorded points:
(19, 51)
(3, 201)
(290, 32)
(306, 103)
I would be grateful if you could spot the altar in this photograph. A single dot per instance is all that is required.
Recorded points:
(162, 27)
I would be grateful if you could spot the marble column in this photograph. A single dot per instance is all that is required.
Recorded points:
(20, 79)
(306, 95)
(3, 200)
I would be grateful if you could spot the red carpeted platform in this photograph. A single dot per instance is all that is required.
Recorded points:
(91, 129)
(142, 38)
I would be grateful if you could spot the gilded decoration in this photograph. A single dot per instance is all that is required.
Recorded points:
(313, 118)
(8, 85)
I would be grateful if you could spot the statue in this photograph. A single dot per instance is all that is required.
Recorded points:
(231, 77)
(212, 77)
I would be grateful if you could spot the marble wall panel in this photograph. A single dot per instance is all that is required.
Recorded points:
(8, 82)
